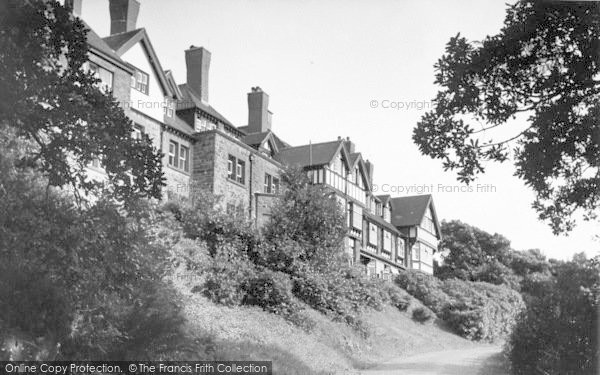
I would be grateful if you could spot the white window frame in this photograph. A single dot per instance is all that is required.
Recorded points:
(173, 153)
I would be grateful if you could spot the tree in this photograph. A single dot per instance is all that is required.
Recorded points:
(557, 334)
(50, 100)
(309, 216)
(474, 255)
(543, 63)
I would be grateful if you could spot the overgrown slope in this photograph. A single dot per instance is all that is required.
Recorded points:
(247, 332)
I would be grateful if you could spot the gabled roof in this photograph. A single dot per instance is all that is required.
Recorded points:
(309, 155)
(354, 158)
(281, 144)
(100, 47)
(191, 100)
(384, 199)
(409, 211)
(256, 140)
(122, 42)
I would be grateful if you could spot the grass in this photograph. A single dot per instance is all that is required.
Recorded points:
(249, 333)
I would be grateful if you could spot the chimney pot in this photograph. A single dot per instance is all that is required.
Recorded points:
(123, 15)
(197, 61)
(259, 116)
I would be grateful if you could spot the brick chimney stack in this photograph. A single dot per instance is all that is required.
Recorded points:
(197, 61)
(350, 145)
(259, 116)
(370, 168)
(74, 6)
(123, 15)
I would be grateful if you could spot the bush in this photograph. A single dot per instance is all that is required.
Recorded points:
(425, 288)
(481, 311)
(272, 291)
(226, 277)
(475, 310)
(342, 293)
(397, 297)
(422, 315)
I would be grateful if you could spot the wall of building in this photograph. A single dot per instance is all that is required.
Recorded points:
(178, 181)
(121, 80)
(152, 103)
(210, 161)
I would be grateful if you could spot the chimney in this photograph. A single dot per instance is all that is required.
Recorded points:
(197, 61)
(259, 116)
(370, 168)
(74, 6)
(123, 15)
(350, 145)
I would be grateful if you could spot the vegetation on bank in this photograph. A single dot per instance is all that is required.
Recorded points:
(475, 310)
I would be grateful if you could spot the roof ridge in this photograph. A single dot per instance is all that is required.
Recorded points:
(311, 144)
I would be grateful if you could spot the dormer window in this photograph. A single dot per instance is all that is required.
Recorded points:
(169, 107)
(203, 124)
(139, 81)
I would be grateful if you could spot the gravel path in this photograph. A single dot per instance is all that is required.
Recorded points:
(480, 360)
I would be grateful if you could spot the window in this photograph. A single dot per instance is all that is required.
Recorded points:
(105, 76)
(400, 249)
(96, 163)
(138, 131)
(184, 158)
(268, 182)
(202, 124)
(236, 169)
(231, 163)
(387, 241)
(241, 171)
(427, 222)
(139, 81)
(179, 156)
(271, 184)
(173, 153)
(354, 216)
(169, 107)
(386, 213)
(416, 252)
(372, 234)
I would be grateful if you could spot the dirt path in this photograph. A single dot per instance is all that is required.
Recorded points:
(480, 360)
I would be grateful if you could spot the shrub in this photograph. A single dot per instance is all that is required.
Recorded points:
(272, 291)
(481, 311)
(425, 288)
(397, 297)
(226, 277)
(475, 310)
(422, 315)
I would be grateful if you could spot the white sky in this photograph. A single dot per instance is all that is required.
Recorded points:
(323, 62)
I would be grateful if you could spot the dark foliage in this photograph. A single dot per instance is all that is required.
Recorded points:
(272, 291)
(50, 100)
(543, 64)
(558, 333)
(422, 315)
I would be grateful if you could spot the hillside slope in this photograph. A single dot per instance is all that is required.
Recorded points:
(250, 333)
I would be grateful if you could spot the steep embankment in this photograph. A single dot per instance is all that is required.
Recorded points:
(249, 333)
